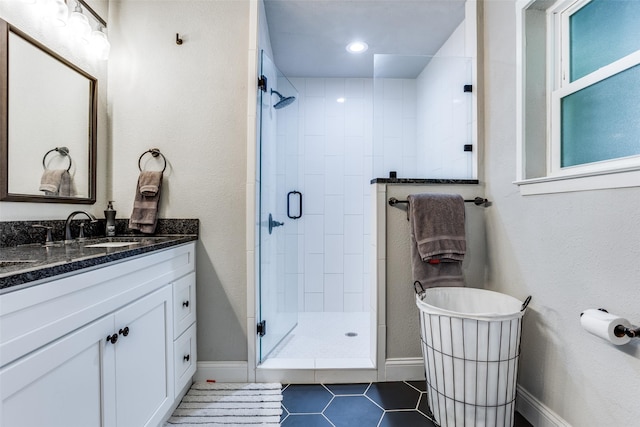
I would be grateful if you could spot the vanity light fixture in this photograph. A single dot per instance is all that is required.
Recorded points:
(56, 12)
(100, 43)
(357, 47)
(79, 24)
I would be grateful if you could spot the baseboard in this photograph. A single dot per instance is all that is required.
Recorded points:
(536, 412)
(232, 372)
(404, 369)
(399, 369)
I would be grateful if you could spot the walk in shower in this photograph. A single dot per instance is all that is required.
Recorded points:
(326, 290)
(313, 226)
(322, 140)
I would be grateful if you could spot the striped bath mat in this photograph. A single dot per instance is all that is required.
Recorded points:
(229, 405)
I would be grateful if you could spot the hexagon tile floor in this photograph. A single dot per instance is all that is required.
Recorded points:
(388, 404)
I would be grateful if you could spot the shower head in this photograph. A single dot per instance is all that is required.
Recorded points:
(283, 101)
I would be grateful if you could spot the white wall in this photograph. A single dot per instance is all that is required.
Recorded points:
(570, 251)
(28, 18)
(335, 171)
(190, 101)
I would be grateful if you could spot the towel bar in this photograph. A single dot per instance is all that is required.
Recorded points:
(478, 201)
(155, 152)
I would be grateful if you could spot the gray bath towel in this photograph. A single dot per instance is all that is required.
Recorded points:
(145, 205)
(438, 245)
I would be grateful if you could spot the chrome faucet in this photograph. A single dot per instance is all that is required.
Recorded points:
(67, 231)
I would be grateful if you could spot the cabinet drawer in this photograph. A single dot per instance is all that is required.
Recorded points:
(184, 303)
(185, 358)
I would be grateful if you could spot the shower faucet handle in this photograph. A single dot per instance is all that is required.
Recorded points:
(273, 224)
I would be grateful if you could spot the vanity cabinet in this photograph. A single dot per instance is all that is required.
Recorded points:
(99, 348)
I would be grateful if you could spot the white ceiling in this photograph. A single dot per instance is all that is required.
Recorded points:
(308, 37)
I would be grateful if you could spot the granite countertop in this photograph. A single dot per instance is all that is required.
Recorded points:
(20, 265)
(423, 181)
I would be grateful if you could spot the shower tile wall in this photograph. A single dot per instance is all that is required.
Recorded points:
(341, 148)
(421, 125)
(395, 128)
(335, 170)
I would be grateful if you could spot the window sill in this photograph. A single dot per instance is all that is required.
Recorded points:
(583, 182)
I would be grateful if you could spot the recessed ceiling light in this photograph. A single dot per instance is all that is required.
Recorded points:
(357, 47)
(340, 100)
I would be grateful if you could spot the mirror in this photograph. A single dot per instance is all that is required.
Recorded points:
(49, 124)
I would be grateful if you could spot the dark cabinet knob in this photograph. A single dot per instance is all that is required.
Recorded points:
(186, 358)
(112, 338)
(124, 331)
(185, 303)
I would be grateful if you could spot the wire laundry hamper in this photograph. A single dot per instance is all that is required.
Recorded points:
(471, 346)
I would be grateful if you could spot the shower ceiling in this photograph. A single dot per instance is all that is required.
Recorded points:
(308, 37)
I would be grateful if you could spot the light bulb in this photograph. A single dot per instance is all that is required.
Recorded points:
(79, 24)
(357, 47)
(100, 44)
(57, 12)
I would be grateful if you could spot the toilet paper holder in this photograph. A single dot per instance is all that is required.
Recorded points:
(621, 330)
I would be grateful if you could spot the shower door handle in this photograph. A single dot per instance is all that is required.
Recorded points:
(294, 193)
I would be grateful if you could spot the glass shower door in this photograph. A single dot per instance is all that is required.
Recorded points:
(277, 226)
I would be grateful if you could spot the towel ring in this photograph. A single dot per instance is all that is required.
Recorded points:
(63, 151)
(155, 153)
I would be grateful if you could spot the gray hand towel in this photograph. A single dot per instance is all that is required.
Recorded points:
(145, 205)
(67, 186)
(57, 182)
(438, 245)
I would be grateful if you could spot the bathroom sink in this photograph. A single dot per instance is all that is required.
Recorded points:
(122, 241)
(111, 244)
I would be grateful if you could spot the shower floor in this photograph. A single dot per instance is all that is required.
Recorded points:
(321, 341)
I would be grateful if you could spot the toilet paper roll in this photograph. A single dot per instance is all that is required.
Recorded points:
(603, 324)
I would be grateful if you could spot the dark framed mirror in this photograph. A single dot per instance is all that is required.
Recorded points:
(49, 124)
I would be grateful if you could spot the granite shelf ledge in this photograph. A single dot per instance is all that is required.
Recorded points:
(422, 181)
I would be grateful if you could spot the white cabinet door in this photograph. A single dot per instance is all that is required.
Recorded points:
(144, 368)
(61, 384)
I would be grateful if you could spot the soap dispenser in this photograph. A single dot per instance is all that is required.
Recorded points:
(110, 216)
